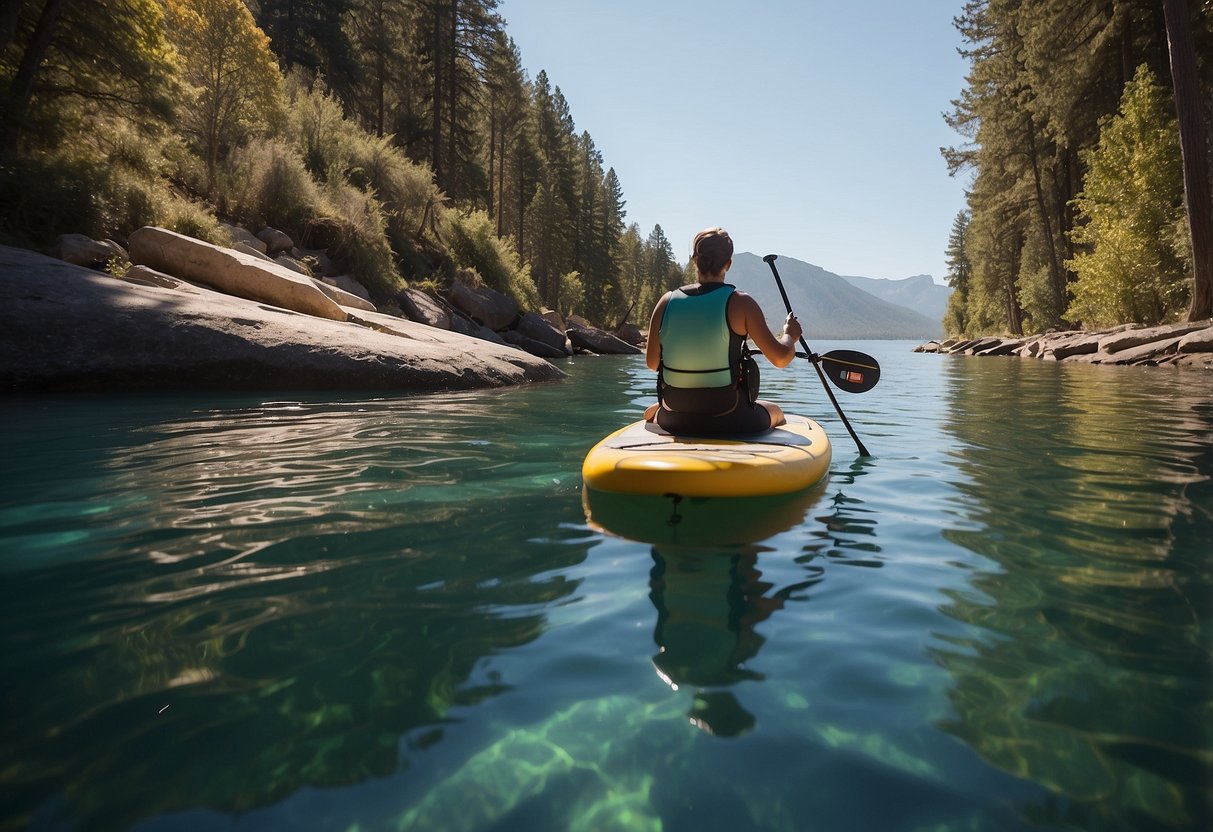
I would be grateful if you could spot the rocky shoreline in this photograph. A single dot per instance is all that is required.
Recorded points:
(259, 315)
(1184, 345)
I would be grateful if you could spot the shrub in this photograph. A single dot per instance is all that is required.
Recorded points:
(355, 231)
(267, 183)
(475, 245)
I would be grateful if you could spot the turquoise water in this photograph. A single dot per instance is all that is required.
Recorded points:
(391, 614)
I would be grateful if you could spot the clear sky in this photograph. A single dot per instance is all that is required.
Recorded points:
(807, 128)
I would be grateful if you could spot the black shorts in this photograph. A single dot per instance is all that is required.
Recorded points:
(746, 418)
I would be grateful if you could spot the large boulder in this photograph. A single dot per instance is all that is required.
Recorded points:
(466, 326)
(276, 242)
(486, 306)
(82, 250)
(64, 327)
(591, 339)
(230, 271)
(513, 336)
(535, 327)
(631, 333)
(420, 307)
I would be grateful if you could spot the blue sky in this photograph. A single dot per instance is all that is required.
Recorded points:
(808, 129)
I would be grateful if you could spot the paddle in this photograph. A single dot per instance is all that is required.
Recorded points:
(855, 372)
(849, 362)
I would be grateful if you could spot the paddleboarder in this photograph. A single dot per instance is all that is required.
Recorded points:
(705, 381)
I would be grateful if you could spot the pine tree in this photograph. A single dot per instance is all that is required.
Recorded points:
(960, 275)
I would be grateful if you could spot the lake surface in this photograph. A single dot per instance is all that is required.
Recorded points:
(289, 613)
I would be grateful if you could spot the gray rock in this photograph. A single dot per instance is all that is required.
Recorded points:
(554, 318)
(1148, 353)
(1136, 337)
(63, 327)
(292, 264)
(348, 284)
(420, 307)
(535, 327)
(513, 336)
(1068, 345)
(1199, 341)
(590, 339)
(144, 276)
(486, 306)
(275, 241)
(631, 333)
(243, 235)
(342, 297)
(244, 248)
(466, 326)
(230, 271)
(82, 250)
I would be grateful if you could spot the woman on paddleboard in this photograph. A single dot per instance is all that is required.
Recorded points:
(705, 382)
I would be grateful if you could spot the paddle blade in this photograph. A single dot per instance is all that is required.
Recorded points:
(855, 372)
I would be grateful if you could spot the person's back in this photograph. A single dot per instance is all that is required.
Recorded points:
(705, 383)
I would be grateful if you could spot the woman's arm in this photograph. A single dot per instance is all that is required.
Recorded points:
(745, 317)
(652, 350)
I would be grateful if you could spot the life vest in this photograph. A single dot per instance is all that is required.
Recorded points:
(701, 367)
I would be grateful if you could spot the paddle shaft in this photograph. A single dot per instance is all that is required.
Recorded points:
(770, 261)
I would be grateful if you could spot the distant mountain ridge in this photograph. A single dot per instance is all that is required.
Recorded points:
(828, 305)
(920, 292)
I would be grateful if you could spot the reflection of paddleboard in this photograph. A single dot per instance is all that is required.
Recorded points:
(643, 459)
(697, 521)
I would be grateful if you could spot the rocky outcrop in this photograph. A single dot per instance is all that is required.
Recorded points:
(303, 280)
(64, 327)
(230, 271)
(1188, 344)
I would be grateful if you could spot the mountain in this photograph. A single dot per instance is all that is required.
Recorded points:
(828, 306)
(920, 292)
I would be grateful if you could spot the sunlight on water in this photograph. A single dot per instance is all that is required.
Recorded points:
(390, 613)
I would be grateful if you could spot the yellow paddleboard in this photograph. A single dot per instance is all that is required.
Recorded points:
(643, 459)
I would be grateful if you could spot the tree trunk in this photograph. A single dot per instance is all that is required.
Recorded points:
(1056, 280)
(436, 57)
(1192, 143)
(22, 88)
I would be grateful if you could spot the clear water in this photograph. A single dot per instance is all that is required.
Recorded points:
(390, 614)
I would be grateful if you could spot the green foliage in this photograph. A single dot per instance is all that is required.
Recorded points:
(355, 233)
(233, 87)
(99, 62)
(475, 245)
(106, 184)
(1132, 201)
(267, 183)
(571, 294)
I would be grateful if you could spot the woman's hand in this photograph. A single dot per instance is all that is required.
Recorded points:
(791, 326)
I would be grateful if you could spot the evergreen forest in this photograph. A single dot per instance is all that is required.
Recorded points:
(1088, 202)
(403, 136)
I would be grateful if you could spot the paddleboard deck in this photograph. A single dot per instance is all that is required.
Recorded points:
(641, 458)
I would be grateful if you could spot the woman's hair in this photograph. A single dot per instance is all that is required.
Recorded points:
(711, 250)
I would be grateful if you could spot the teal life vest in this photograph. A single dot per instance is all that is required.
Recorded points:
(701, 357)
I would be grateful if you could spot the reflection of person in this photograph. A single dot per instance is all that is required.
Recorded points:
(705, 382)
(707, 605)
